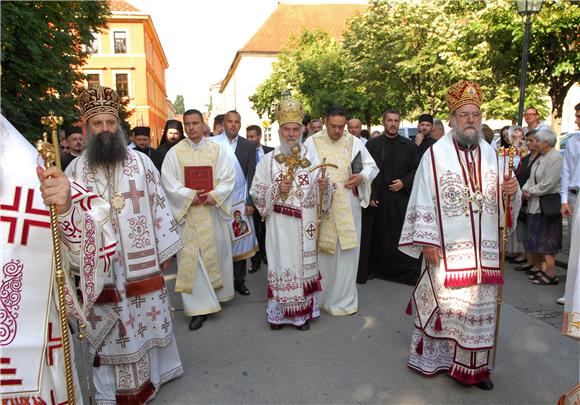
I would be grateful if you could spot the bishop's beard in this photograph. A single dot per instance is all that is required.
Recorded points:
(464, 139)
(287, 149)
(106, 149)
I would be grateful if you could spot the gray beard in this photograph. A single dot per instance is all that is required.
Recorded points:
(286, 149)
(106, 149)
(467, 140)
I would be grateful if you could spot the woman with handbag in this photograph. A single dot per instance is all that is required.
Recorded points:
(544, 219)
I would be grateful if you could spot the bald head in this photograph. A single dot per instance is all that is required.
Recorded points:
(354, 127)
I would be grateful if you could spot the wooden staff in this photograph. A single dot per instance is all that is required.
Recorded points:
(510, 153)
(50, 154)
(322, 168)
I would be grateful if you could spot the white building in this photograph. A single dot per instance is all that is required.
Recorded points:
(253, 63)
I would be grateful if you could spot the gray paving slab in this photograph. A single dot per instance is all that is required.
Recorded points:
(236, 358)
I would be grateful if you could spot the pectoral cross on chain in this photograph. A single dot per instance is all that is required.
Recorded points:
(292, 161)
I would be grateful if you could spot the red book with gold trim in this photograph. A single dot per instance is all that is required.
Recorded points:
(199, 178)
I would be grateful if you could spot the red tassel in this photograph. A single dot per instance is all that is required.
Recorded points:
(409, 310)
(438, 327)
(270, 293)
(97, 360)
(509, 216)
(419, 348)
(122, 330)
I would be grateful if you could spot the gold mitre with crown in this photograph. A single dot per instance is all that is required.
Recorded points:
(461, 93)
(99, 100)
(288, 110)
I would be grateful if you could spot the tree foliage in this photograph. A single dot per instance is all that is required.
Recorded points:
(43, 48)
(554, 57)
(179, 104)
(406, 54)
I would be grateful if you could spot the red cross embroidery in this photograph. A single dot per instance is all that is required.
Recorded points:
(57, 345)
(310, 230)
(154, 313)
(37, 216)
(93, 318)
(303, 179)
(105, 254)
(131, 320)
(134, 196)
(5, 370)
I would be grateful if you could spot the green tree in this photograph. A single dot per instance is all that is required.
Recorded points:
(43, 47)
(406, 54)
(554, 57)
(314, 67)
(179, 104)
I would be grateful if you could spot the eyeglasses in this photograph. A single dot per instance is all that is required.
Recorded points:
(473, 114)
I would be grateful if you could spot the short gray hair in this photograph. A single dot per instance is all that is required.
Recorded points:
(546, 135)
(438, 124)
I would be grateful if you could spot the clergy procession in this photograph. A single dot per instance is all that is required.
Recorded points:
(336, 213)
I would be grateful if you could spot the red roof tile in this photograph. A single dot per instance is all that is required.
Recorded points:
(119, 5)
(292, 19)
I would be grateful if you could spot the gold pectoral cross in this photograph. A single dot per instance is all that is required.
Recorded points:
(292, 161)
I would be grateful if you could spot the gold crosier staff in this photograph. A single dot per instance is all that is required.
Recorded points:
(322, 168)
(50, 154)
(510, 153)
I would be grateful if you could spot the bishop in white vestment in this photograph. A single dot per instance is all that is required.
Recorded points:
(205, 267)
(453, 218)
(32, 369)
(341, 229)
(290, 208)
(133, 348)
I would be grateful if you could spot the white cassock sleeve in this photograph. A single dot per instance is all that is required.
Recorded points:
(264, 191)
(181, 197)
(369, 172)
(421, 226)
(88, 245)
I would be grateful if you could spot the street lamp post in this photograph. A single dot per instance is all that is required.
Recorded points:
(526, 8)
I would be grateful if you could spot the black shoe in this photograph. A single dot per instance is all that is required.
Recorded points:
(243, 290)
(196, 322)
(275, 326)
(265, 260)
(304, 326)
(485, 385)
(524, 267)
(372, 276)
(516, 261)
(254, 268)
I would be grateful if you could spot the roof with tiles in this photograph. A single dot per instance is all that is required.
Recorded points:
(292, 19)
(122, 6)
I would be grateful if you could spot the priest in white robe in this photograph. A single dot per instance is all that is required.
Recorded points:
(130, 331)
(341, 229)
(33, 366)
(453, 218)
(288, 196)
(205, 267)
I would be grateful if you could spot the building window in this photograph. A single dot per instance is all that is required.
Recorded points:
(122, 81)
(93, 80)
(93, 47)
(120, 41)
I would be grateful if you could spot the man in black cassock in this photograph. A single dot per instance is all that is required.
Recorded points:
(142, 141)
(397, 158)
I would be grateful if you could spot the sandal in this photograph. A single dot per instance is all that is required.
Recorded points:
(532, 271)
(536, 275)
(547, 280)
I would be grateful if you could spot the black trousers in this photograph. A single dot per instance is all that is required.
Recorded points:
(260, 228)
(239, 272)
(368, 216)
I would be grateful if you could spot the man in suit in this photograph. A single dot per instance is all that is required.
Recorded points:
(254, 134)
(245, 152)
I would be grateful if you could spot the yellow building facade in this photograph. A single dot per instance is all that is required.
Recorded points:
(128, 57)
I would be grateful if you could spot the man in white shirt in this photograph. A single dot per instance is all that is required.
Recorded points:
(569, 187)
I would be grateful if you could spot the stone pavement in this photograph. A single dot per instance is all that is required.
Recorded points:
(235, 357)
